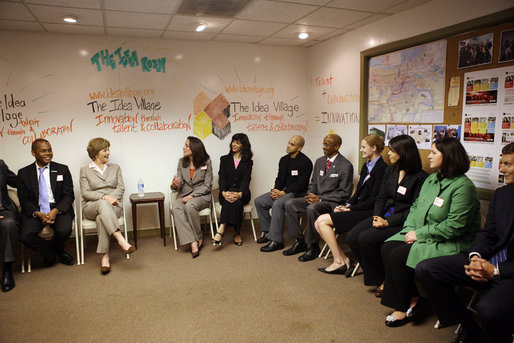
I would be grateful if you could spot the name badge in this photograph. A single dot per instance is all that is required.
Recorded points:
(402, 190)
(294, 172)
(203, 167)
(59, 178)
(321, 172)
(334, 175)
(438, 202)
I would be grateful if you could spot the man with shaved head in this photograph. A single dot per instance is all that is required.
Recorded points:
(294, 170)
(331, 185)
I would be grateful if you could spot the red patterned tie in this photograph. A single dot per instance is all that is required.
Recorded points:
(327, 166)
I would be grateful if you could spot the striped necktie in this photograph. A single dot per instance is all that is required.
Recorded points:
(500, 256)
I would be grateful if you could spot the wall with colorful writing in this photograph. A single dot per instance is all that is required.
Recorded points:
(146, 97)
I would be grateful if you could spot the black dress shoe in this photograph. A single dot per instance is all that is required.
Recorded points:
(412, 311)
(297, 247)
(341, 270)
(350, 269)
(394, 323)
(7, 280)
(66, 258)
(272, 246)
(263, 239)
(310, 254)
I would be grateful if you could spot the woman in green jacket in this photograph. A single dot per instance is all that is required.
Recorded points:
(442, 221)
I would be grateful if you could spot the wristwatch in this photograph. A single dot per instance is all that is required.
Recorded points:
(496, 273)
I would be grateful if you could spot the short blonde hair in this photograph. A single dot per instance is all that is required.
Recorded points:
(96, 145)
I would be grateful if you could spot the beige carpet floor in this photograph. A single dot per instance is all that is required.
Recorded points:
(227, 294)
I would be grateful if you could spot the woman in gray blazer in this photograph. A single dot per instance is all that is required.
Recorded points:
(102, 188)
(193, 183)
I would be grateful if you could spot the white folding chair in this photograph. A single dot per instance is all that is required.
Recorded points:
(205, 212)
(47, 233)
(86, 224)
(247, 209)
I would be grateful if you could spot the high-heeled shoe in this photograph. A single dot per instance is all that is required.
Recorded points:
(350, 269)
(195, 254)
(214, 241)
(105, 270)
(130, 250)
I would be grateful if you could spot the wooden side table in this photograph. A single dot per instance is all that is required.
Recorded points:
(152, 197)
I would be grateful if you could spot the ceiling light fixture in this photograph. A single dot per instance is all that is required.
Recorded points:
(303, 35)
(70, 19)
(201, 27)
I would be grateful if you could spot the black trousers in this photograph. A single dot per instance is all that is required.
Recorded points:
(30, 227)
(440, 275)
(365, 242)
(232, 213)
(8, 235)
(399, 284)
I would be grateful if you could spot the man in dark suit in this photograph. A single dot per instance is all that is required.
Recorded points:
(46, 195)
(488, 267)
(294, 170)
(8, 226)
(331, 185)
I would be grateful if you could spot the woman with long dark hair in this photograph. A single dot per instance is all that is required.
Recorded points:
(442, 221)
(234, 182)
(193, 183)
(400, 187)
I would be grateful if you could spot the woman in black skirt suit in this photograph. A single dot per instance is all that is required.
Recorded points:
(400, 187)
(234, 182)
(358, 207)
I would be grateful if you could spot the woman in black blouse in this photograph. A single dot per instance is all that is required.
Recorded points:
(358, 207)
(234, 182)
(400, 187)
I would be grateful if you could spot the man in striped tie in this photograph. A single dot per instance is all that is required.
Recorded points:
(45, 189)
(488, 267)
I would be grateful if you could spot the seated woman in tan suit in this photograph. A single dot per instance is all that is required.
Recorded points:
(193, 183)
(102, 188)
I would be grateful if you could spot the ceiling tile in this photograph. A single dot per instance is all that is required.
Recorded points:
(253, 28)
(331, 35)
(292, 31)
(187, 23)
(311, 2)
(365, 5)
(154, 6)
(188, 35)
(282, 42)
(137, 20)
(111, 31)
(19, 25)
(275, 11)
(95, 4)
(405, 6)
(75, 29)
(333, 17)
(366, 21)
(14, 11)
(237, 38)
(51, 14)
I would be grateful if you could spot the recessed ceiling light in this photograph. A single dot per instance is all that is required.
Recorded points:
(70, 19)
(303, 35)
(201, 27)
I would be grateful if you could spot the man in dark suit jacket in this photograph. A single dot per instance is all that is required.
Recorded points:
(8, 226)
(331, 185)
(294, 170)
(488, 267)
(53, 207)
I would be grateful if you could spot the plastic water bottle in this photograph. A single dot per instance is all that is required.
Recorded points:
(140, 188)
